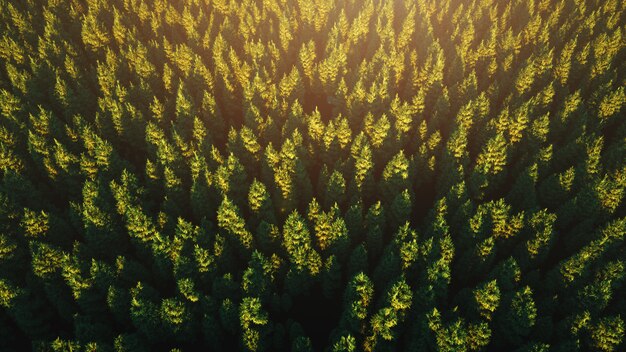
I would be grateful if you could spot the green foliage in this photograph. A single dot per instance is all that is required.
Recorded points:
(357, 299)
(229, 219)
(487, 299)
(312, 175)
(607, 334)
(297, 241)
(252, 318)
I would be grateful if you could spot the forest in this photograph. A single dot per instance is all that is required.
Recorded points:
(312, 175)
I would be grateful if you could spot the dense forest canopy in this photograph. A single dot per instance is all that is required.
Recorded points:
(271, 175)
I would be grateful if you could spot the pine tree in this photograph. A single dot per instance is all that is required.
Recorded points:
(297, 242)
(395, 177)
(253, 320)
(260, 203)
(229, 219)
(487, 298)
(518, 317)
(358, 296)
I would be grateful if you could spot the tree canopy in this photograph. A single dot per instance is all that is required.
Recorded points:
(268, 175)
